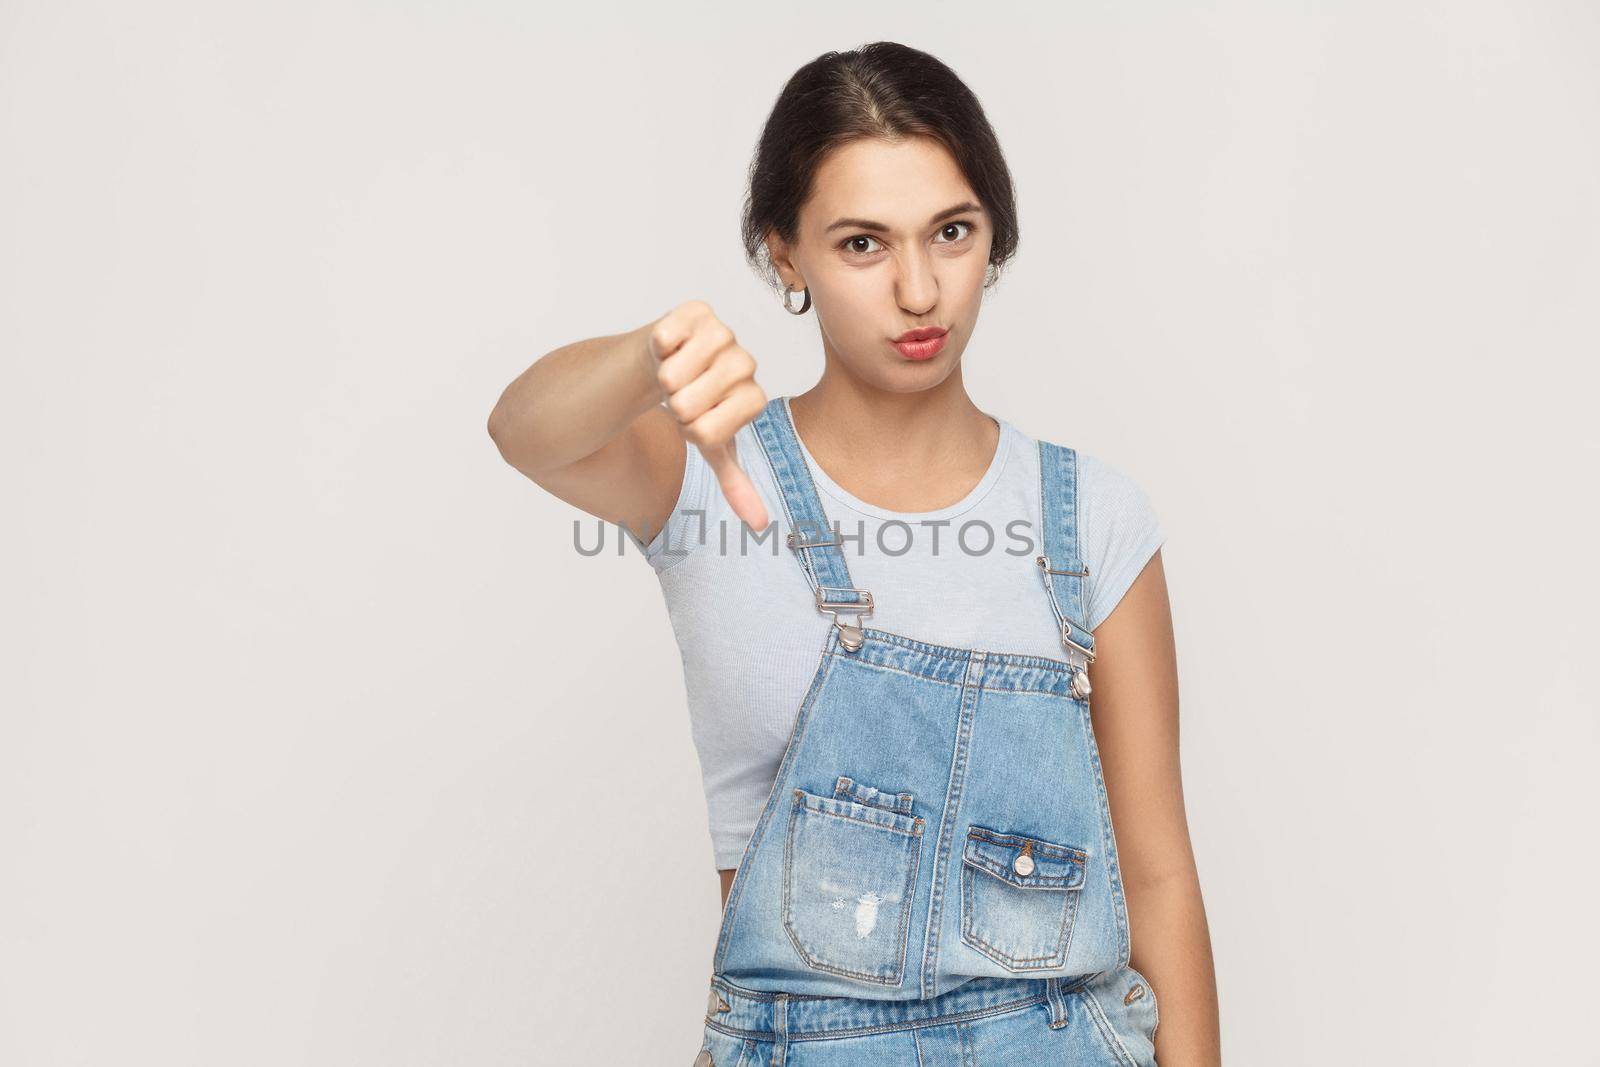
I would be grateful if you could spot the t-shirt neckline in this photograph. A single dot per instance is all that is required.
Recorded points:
(833, 489)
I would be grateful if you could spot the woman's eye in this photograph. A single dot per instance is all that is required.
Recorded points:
(953, 225)
(853, 244)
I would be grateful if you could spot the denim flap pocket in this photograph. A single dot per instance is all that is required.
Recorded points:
(1019, 898)
(1048, 864)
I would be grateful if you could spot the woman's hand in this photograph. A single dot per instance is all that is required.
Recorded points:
(708, 383)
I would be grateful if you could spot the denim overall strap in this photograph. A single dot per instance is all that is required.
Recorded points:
(811, 535)
(1061, 565)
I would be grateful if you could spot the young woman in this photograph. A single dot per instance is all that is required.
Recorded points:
(893, 608)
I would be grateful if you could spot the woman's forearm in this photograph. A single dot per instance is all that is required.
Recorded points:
(1173, 950)
(575, 399)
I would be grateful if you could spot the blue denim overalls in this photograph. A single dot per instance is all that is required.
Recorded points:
(933, 880)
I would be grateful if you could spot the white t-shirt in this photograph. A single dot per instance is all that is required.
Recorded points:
(750, 633)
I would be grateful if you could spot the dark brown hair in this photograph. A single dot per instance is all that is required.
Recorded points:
(885, 90)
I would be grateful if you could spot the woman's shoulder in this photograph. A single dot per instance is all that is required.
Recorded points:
(1118, 529)
(1107, 482)
(1110, 485)
(701, 508)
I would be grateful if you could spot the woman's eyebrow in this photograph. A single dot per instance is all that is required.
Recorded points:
(868, 224)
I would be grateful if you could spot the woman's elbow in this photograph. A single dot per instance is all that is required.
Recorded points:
(503, 430)
(497, 424)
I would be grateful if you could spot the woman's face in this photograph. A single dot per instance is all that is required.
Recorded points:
(892, 238)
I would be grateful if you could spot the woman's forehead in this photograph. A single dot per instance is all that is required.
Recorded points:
(898, 184)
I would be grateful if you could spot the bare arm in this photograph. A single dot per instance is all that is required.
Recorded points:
(602, 423)
(1135, 713)
(585, 422)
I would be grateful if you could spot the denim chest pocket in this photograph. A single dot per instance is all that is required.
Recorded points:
(1019, 898)
(849, 877)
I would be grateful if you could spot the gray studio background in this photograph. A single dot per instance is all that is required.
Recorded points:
(320, 743)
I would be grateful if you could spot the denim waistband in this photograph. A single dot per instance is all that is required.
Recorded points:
(768, 1016)
(944, 663)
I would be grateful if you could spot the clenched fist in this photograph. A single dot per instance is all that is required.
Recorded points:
(708, 382)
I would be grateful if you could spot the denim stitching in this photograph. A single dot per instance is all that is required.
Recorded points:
(1150, 992)
(819, 681)
(960, 761)
(1113, 868)
(1107, 1031)
(1069, 920)
(908, 890)
(988, 687)
(909, 825)
(1011, 659)
(972, 1014)
(782, 427)
(1041, 847)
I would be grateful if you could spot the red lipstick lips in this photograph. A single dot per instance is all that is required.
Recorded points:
(922, 343)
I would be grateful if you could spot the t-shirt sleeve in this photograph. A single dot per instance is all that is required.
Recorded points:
(696, 508)
(1119, 532)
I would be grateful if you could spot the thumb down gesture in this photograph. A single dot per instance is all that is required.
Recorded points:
(709, 385)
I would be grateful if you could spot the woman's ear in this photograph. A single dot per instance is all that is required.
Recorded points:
(778, 252)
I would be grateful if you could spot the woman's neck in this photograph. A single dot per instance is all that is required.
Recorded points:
(906, 452)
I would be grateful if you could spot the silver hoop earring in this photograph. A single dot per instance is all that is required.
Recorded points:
(805, 305)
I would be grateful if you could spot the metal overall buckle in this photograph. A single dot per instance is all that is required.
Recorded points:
(850, 635)
(1080, 673)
